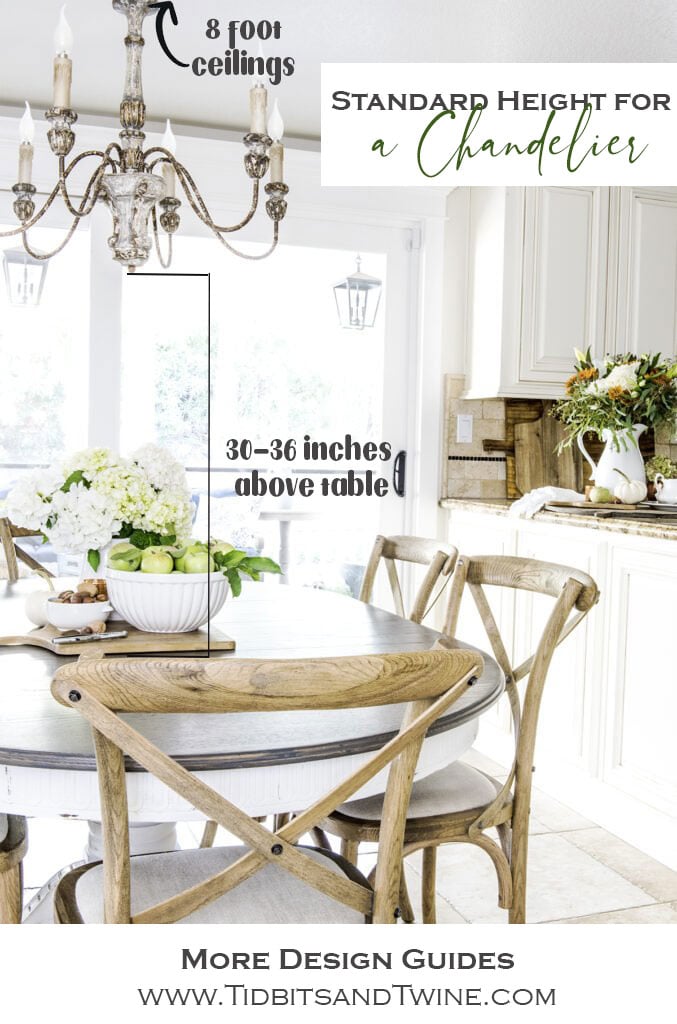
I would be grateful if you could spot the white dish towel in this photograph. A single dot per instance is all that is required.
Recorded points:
(529, 504)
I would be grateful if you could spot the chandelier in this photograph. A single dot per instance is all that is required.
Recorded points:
(139, 185)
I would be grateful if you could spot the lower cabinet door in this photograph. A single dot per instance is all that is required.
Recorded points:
(572, 694)
(641, 715)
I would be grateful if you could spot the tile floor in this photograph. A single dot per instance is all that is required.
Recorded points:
(579, 873)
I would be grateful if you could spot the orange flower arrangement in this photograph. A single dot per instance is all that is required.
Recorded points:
(617, 392)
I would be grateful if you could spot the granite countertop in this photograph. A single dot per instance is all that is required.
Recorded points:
(663, 529)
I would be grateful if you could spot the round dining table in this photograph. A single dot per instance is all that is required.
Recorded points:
(265, 763)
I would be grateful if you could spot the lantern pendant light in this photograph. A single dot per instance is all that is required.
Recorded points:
(24, 276)
(357, 299)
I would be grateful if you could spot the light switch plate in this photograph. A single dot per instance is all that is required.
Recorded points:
(464, 429)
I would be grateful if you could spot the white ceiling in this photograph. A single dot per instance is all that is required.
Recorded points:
(314, 31)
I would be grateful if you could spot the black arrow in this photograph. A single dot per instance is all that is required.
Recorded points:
(163, 8)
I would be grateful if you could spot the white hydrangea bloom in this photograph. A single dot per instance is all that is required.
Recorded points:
(161, 468)
(128, 490)
(91, 461)
(147, 492)
(28, 504)
(623, 376)
(82, 519)
(171, 512)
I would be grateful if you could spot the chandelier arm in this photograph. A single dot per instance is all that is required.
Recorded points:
(104, 155)
(249, 256)
(48, 255)
(193, 196)
(90, 195)
(164, 263)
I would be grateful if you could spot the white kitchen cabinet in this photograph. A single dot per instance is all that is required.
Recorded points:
(641, 713)
(642, 297)
(537, 262)
(566, 734)
(550, 269)
(605, 743)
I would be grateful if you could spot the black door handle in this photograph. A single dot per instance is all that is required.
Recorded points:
(399, 474)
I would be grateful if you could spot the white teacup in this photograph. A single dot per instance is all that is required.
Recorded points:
(666, 490)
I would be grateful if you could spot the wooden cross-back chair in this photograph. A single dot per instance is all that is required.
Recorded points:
(13, 846)
(14, 553)
(278, 880)
(440, 559)
(459, 803)
(438, 556)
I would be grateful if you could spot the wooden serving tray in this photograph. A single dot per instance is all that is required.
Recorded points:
(137, 642)
(613, 506)
(638, 512)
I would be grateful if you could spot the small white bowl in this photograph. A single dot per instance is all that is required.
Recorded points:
(175, 602)
(77, 616)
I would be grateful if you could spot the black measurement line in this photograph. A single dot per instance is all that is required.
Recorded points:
(151, 273)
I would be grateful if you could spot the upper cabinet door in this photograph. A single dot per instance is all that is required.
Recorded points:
(643, 311)
(564, 278)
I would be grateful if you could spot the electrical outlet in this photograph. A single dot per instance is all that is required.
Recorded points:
(464, 429)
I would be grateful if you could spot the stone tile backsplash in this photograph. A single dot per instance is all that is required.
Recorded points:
(470, 471)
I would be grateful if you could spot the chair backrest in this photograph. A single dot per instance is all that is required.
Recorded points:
(12, 551)
(428, 682)
(575, 593)
(438, 556)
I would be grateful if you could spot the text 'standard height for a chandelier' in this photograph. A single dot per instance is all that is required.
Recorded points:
(139, 185)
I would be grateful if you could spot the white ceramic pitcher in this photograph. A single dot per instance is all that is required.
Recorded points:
(621, 452)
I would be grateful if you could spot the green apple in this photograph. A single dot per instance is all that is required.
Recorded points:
(220, 546)
(155, 560)
(124, 557)
(601, 495)
(198, 561)
(193, 547)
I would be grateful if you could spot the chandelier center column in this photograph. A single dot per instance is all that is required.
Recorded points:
(133, 108)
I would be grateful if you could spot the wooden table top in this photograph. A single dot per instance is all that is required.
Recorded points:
(267, 621)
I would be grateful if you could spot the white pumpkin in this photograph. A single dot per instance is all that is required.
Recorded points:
(36, 606)
(628, 491)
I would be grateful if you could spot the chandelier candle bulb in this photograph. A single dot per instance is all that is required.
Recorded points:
(276, 131)
(258, 106)
(168, 173)
(26, 136)
(63, 65)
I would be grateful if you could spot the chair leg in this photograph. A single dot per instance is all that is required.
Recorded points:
(501, 866)
(320, 838)
(428, 884)
(406, 909)
(11, 895)
(10, 551)
(505, 838)
(349, 848)
(209, 834)
(518, 868)
(12, 852)
(279, 820)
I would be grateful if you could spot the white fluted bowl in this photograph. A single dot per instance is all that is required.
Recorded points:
(171, 603)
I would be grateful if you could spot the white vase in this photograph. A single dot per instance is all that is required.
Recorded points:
(621, 452)
(86, 571)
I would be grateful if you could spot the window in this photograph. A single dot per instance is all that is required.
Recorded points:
(44, 354)
(281, 367)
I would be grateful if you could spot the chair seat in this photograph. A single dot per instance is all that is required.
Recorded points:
(454, 789)
(271, 896)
